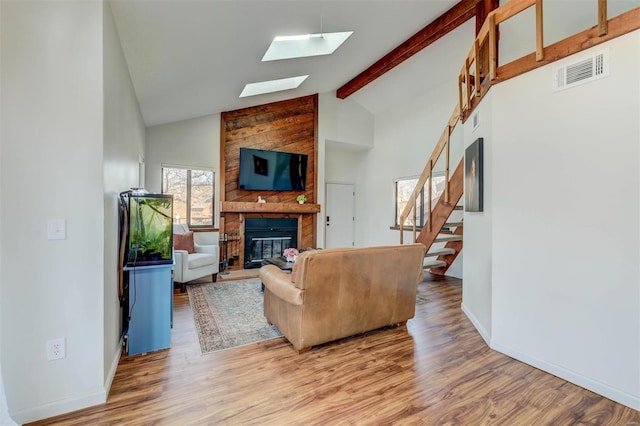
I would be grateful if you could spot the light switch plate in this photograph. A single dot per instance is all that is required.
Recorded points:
(57, 229)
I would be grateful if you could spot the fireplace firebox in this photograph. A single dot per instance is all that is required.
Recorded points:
(267, 237)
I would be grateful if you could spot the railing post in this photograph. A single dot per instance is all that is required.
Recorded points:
(539, 32)
(476, 54)
(603, 26)
(460, 91)
(467, 78)
(446, 172)
(493, 47)
(430, 186)
(415, 219)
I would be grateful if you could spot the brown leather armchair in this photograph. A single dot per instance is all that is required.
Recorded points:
(337, 293)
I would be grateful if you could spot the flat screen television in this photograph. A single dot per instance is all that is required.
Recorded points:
(272, 170)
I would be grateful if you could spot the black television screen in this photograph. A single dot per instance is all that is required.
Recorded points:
(272, 170)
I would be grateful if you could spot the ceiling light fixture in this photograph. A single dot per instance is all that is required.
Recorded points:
(262, 87)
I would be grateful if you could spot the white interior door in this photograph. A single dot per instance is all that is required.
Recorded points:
(340, 216)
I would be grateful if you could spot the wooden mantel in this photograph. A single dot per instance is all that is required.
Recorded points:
(255, 207)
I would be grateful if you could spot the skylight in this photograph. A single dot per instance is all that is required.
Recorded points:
(262, 87)
(302, 46)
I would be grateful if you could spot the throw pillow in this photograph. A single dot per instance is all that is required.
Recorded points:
(184, 242)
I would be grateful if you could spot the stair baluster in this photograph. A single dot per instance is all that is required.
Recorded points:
(446, 173)
(430, 188)
(415, 221)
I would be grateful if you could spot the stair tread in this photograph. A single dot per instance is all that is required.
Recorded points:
(439, 252)
(453, 224)
(446, 238)
(434, 264)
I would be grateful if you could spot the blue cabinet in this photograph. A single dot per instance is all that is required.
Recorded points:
(150, 308)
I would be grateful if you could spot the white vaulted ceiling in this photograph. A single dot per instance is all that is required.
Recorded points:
(193, 58)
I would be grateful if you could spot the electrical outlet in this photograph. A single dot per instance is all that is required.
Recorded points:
(56, 349)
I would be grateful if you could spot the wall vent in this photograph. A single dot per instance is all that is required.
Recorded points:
(581, 71)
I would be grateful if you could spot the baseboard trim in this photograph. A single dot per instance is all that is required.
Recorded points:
(483, 332)
(114, 366)
(600, 388)
(98, 396)
(95, 397)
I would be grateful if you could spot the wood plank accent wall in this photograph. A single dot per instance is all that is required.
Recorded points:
(289, 126)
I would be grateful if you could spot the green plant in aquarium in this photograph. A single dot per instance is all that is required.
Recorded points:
(150, 231)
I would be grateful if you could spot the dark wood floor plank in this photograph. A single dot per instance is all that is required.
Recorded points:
(436, 370)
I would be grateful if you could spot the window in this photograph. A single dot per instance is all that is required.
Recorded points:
(192, 192)
(404, 188)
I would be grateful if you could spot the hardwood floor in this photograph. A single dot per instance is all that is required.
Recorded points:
(436, 371)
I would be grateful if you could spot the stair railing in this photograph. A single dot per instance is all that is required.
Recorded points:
(473, 84)
(443, 144)
(472, 81)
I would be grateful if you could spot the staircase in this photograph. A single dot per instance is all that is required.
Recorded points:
(439, 259)
(479, 72)
(442, 232)
(443, 229)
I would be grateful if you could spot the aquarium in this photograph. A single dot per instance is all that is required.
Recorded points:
(150, 230)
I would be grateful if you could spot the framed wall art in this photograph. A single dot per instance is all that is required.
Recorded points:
(473, 173)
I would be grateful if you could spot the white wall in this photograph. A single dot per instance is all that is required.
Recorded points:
(404, 139)
(4, 409)
(566, 225)
(345, 121)
(342, 165)
(51, 168)
(194, 143)
(476, 287)
(124, 133)
(345, 130)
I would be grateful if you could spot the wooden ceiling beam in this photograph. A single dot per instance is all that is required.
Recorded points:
(442, 25)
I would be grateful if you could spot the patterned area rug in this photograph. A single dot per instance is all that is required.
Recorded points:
(229, 314)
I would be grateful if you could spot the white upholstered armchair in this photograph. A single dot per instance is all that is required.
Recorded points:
(196, 254)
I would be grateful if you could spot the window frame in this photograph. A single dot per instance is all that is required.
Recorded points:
(188, 201)
(422, 204)
(420, 215)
